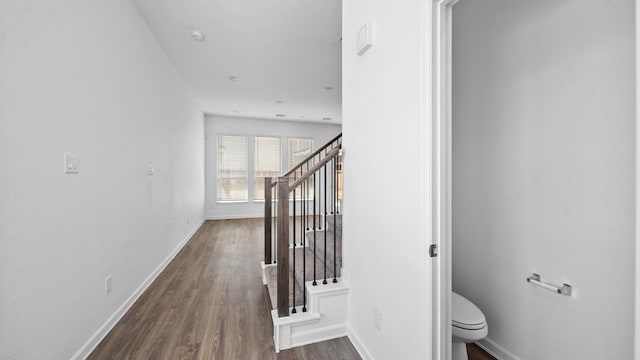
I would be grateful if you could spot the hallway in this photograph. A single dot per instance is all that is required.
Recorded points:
(209, 303)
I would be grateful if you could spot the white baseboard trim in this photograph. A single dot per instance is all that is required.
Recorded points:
(318, 335)
(100, 334)
(496, 350)
(362, 350)
(234, 217)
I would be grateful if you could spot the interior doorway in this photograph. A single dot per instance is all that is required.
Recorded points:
(441, 116)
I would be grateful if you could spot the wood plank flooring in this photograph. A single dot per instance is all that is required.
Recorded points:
(209, 303)
(475, 352)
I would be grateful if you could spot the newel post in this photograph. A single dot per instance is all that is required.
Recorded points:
(283, 246)
(267, 221)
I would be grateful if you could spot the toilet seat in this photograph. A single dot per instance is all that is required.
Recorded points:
(465, 315)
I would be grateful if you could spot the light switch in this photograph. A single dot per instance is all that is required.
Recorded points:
(70, 163)
(150, 169)
(365, 38)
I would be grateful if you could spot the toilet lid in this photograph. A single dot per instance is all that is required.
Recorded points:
(465, 314)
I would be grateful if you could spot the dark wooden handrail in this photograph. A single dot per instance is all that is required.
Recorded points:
(313, 155)
(308, 158)
(330, 155)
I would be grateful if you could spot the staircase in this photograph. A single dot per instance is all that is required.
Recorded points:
(303, 250)
(271, 272)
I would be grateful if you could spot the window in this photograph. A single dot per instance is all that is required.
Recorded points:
(299, 149)
(232, 168)
(267, 162)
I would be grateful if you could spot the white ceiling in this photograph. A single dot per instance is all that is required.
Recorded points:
(281, 50)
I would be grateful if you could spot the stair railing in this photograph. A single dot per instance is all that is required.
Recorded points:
(305, 193)
(335, 142)
(270, 191)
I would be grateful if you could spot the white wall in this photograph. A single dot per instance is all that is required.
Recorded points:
(544, 156)
(386, 158)
(637, 209)
(222, 125)
(87, 77)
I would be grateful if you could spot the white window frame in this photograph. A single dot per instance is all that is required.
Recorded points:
(289, 147)
(289, 165)
(254, 197)
(218, 178)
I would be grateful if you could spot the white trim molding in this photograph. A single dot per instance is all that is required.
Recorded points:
(495, 350)
(108, 325)
(440, 120)
(637, 182)
(234, 217)
(357, 343)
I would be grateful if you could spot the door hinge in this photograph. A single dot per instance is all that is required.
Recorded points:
(433, 250)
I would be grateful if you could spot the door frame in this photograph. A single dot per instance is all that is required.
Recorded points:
(637, 187)
(440, 22)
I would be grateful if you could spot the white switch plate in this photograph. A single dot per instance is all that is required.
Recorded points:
(150, 169)
(70, 163)
(365, 38)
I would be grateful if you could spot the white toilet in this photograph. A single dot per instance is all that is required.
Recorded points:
(468, 325)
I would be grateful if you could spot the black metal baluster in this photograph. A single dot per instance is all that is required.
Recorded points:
(324, 168)
(338, 178)
(335, 221)
(304, 253)
(293, 311)
(306, 200)
(303, 221)
(301, 205)
(333, 198)
(314, 230)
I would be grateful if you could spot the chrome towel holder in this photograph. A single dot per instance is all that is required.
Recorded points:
(535, 279)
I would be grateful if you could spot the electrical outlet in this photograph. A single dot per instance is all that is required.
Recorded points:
(108, 285)
(377, 319)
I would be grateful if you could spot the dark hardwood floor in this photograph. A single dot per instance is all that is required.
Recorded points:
(477, 353)
(209, 303)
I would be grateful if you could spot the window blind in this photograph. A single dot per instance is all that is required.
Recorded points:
(232, 168)
(298, 150)
(267, 162)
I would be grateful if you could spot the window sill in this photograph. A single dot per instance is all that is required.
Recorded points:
(275, 200)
